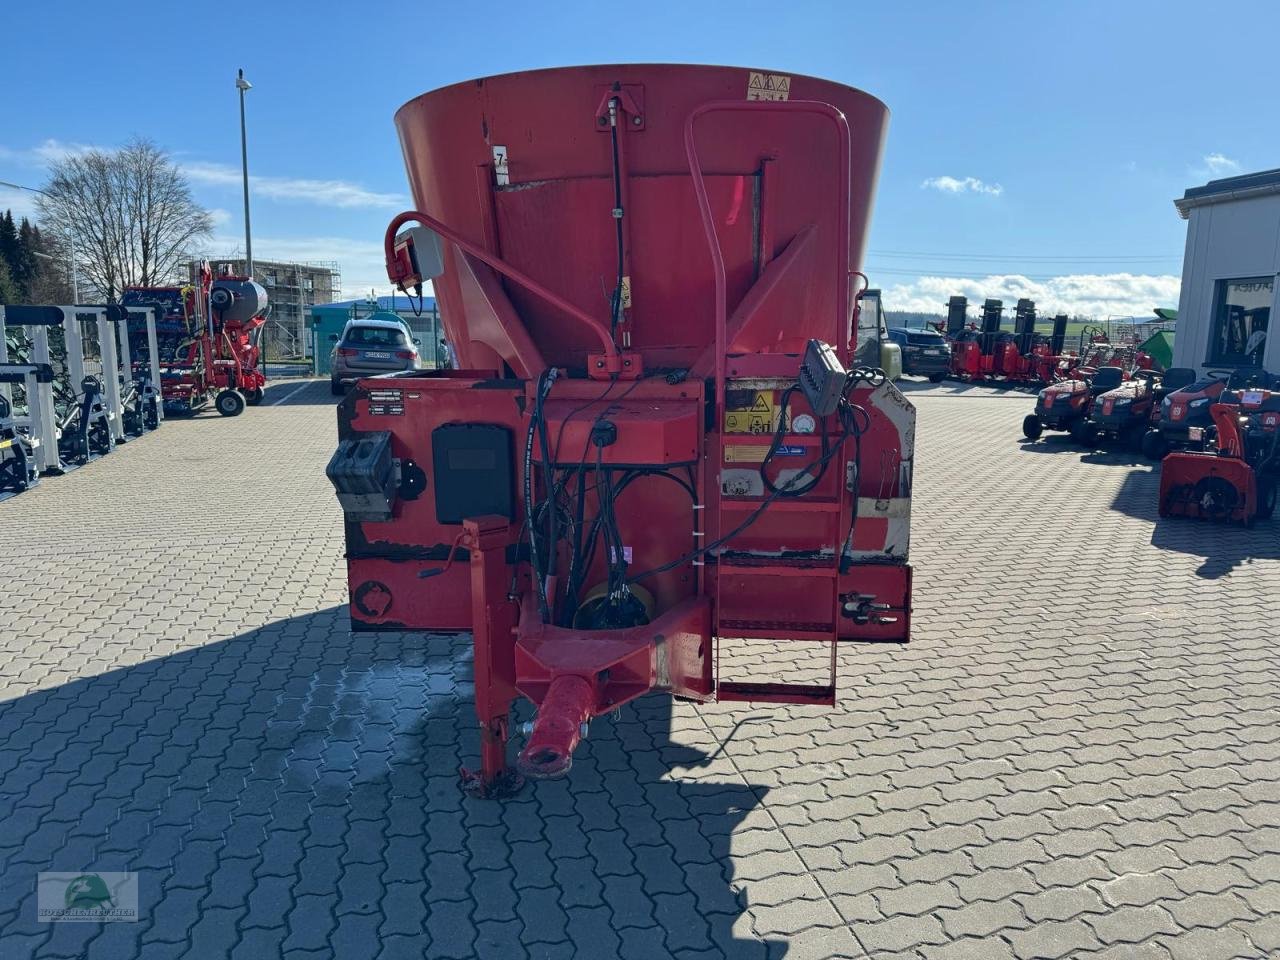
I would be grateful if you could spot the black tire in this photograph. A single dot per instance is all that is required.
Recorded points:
(335, 387)
(937, 377)
(1266, 497)
(230, 403)
(1084, 433)
(253, 397)
(1154, 445)
(1032, 427)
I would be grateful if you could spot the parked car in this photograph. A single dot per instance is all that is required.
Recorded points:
(370, 347)
(925, 353)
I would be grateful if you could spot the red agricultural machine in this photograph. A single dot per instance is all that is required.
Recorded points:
(1234, 478)
(656, 443)
(981, 352)
(207, 334)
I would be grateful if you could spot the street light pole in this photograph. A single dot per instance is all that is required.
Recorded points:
(242, 85)
(71, 239)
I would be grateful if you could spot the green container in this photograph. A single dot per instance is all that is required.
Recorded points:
(1160, 346)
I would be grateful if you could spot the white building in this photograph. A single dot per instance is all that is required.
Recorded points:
(1229, 274)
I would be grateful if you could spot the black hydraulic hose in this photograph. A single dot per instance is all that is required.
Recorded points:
(755, 515)
(575, 554)
(538, 582)
(618, 213)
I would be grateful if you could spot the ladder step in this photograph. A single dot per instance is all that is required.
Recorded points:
(776, 630)
(742, 564)
(783, 505)
(822, 694)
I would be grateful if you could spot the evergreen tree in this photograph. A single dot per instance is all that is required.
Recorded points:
(26, 270)
(8, 292)
(9, 253)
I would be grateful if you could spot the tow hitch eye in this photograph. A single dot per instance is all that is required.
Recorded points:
(861, 608)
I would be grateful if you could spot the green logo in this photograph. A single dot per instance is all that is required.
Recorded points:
(88, 892)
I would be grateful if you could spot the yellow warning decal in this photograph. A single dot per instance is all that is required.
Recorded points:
(745, 453)
(756, 418)
(768, 86)
(626, 293)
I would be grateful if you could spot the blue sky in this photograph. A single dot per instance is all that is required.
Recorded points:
(1034, 147)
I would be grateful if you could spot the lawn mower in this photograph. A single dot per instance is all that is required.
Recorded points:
(1234, 478)
(1183, 417)
(1125, 412)
(1066, 405)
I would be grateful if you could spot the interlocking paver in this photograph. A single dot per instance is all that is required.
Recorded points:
(1032, 776)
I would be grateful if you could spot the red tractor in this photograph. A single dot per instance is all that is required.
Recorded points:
(208, 340)
(1234, 478)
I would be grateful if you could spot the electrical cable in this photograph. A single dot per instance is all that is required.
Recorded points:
(848, 413)
(781, 430)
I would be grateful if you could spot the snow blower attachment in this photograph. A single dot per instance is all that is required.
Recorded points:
(657, 442)
(1234, 479)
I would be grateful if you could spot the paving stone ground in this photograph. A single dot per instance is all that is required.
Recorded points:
(1077, 755)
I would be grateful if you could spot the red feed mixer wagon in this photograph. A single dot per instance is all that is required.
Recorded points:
(655, 442)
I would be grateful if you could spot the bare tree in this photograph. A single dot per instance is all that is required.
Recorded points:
(131, 212)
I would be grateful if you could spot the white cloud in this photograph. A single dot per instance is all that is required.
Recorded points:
(1089, 294)
(220, 217)
(962, 185)
(52, 151)
(327, 193)
(1218, 165)
(21, 202)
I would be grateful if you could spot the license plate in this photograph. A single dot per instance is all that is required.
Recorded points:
(1252, 397)
(937, 353)
(377, 355)
(1195, 433)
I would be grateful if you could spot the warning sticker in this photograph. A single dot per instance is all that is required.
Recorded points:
(626, 293)
(768, 86)
(758, 417)
(745, 453)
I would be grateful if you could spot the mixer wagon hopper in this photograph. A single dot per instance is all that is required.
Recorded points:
(656, 440)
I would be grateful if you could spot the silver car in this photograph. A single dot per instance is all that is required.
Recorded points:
(370, 347)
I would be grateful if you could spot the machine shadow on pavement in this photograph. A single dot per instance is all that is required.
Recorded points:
(1108, 454)
(958, 388)
(1223, 546)
(298, 391)
(295, 787)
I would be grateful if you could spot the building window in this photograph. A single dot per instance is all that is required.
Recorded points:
(1241, 311)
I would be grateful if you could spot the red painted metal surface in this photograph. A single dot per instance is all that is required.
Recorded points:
(643, 428)
(552, 218)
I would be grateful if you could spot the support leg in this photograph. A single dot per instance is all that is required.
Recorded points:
(493, 622)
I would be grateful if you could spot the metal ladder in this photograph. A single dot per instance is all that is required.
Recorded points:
(744, 567)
